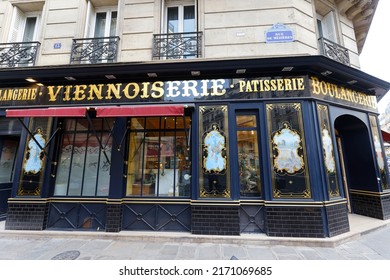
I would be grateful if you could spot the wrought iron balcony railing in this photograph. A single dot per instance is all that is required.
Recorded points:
(177, 45)
(94, 50)
(334, 51)
(19, 54)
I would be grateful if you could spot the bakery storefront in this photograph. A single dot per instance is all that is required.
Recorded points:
(276, 146)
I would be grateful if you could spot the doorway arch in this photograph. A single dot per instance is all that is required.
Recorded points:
(357, 163)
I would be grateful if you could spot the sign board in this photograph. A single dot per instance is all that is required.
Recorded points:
(279, 33)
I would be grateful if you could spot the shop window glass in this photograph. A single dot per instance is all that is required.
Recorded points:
(248, 155)
(214, 152)
(9, 147)
(83, 166)
(379, 153)
(328, 151)
(159, 157)
(290, 177)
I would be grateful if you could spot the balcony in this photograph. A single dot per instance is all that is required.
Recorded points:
(177, 45)
(94, 50)
(334, 51)
(19, 54)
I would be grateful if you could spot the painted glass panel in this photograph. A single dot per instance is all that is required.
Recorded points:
(290, 176)
(214, 167)
(35, 156)
(328, 151)
(379, 153)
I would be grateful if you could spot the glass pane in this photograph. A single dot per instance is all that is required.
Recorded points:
(7, 159)
(135, 163)
(104, 167)
(288, 151)
(78, 163)
(189, 19)
(28, 35)
(248, 162)
(214, 153)
(137, 123)
(167, 173)
(246, 121)
(91, 166)
(34, 162)
(113, 24)
(82, 125)
(64, 163)
(183, 164)
(173, 20)
(100, 24)
(168, 123)
(153, 123)
(10, 126)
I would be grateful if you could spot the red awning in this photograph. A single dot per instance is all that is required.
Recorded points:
(48, 112)
(140, 111)
(385, 136)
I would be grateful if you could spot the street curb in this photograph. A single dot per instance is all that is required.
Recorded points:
(182, 237)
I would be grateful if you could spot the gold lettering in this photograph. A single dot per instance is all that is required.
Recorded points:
(79, 92)
(53, 95)
(96, 90)
(135, 91)
(145, 93)
(157, 90)
(280, 84)
(248, 87)
(241, 85)
(255, 83)
(301, 84)
(287, 84)
(273, 85)
(115, 89)
(315, 84)
(67, 93)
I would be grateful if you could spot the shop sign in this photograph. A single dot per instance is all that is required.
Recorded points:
(279, 33)
(185, 91)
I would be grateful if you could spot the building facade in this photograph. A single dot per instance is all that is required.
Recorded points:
(212, 117)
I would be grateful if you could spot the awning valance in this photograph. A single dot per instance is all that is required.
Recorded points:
(385, 136)
(141, 111)
(47, 112)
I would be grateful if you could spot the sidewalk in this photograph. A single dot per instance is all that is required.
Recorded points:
(368, 239)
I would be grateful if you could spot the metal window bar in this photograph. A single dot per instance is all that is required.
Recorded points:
(19, 54)
(334, 51)
(177, 45)
(94, 50)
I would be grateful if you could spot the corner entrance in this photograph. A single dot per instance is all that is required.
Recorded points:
(356, 159)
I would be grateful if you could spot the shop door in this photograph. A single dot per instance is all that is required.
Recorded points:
(248, 173)
(355, 155)
(8, 150)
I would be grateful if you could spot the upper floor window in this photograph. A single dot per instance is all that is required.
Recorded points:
(180, 17)
(327, 27)
(24, 26)
(101, 21)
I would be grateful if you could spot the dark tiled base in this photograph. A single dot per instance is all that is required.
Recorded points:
(291, 221)
(375, 206)
(215, 220)
(114, 218)
(23, 216)
(337, 217)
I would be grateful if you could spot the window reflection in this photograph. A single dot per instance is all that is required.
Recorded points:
(159, 158)
(248, 155)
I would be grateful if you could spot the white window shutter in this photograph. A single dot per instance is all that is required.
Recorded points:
(17, 25)
(329, 27)
(90, 21)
